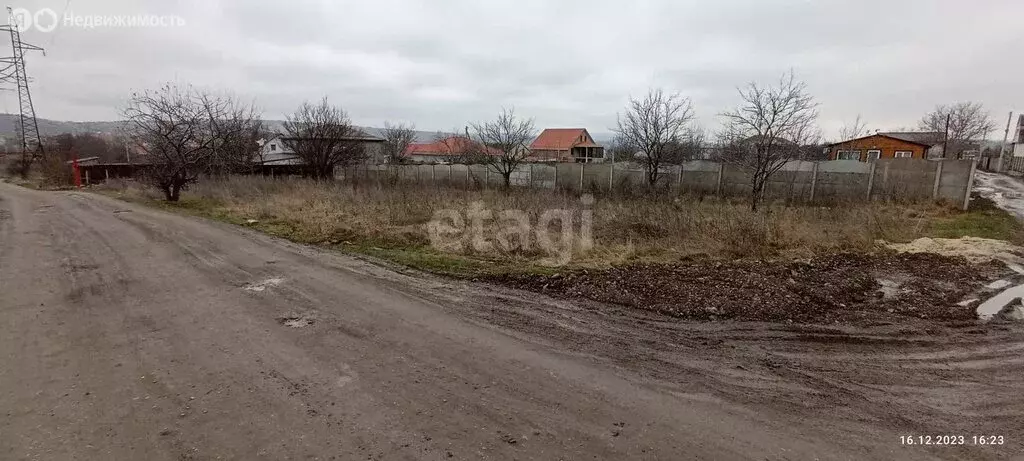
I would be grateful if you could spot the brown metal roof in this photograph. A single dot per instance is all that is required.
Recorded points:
(922, 138)
(562, 139)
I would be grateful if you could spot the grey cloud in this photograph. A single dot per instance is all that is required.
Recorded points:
(571, 63)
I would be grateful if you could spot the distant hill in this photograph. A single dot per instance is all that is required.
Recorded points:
(47, 127)
(8, 124)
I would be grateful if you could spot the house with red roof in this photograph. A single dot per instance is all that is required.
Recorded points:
(448, 149)
(566, 145)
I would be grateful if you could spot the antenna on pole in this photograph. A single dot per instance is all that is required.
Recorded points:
(13, 71)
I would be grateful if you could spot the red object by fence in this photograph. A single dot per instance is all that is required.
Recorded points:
(76, 173)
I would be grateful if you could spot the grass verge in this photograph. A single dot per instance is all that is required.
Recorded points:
(391, 223)
(983, 219)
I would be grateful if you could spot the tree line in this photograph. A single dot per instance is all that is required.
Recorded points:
(186, 132)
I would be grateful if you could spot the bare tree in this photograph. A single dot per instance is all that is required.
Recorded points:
(773, 125)
(501, 144)
(237, 129)
(968, 124)
(180, 129)
(621, 150)
(857, 129)
(691, 146)
(322, 136)
(654, 126)
(66, 145)
(397, 139)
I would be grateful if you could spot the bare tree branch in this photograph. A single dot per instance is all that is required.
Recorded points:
(322, 136)
(774, 124)
(654, 126)
(236, 128)
(855, 130)
(397, 139)
(969, 123)
(502, 143)
(185, 132)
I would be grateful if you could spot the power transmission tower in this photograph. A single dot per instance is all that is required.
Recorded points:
(28, 127)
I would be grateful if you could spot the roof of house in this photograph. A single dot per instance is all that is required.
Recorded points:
(366, 138)
(758, 138)
(451, 145)
(928, 138)
(562, 139)
(921, 138)
(83, 160)
(357, 135)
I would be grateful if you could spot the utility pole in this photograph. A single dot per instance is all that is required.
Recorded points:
(28, 127)
(1002, 147)
(945, 137)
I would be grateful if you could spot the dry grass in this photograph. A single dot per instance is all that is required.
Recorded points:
(50, 173)
(392, 222)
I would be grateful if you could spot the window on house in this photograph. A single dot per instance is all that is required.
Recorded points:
(904, 154)
(273, 147)
(848, 155)
(874, 154)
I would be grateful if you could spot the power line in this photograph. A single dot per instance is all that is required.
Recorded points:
(14, 71)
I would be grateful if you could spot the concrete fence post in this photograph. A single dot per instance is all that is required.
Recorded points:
(814, 180)
(679, 178)
(938, 178)
(531, 176)
(885, 181)
(86, 177)
(611, 177)
(583, 168)
(970, 185)
(433, 174)
(871, 179)
(449, 175)
(468, 177)
(721, 175)
(555, 187)
(487, 177)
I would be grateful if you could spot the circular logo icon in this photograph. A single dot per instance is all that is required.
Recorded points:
(21, 19)
(45, 20)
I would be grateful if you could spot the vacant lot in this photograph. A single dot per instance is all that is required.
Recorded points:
(626, 229)
(679, 255)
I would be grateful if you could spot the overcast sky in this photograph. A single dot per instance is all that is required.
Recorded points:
(565, 63)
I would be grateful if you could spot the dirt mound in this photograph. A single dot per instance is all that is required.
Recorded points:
(847, 287)
(974, 249)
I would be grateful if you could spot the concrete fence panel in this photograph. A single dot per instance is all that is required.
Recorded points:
(904, 179)
(796, 181)
(951, 184)
(543, 175)
(568, 176)
(597, 177)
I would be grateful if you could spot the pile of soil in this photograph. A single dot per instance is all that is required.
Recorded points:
(974, 249)
(835, 288)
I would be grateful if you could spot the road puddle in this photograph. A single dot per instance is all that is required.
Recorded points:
(261, 286)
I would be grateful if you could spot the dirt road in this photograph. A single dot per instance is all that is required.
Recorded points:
(129, 333)
(1007, 192)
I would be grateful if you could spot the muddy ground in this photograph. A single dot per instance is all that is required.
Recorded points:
(847, 288)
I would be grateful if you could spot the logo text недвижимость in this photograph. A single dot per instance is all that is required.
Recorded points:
(48, 20)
